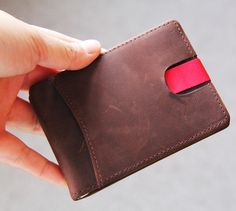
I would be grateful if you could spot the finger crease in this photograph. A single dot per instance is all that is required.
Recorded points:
(44, 167)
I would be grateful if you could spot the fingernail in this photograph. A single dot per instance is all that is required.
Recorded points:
(91, 46)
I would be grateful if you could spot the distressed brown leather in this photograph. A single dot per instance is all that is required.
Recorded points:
(117, 115)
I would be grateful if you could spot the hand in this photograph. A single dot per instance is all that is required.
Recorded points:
(28, 54)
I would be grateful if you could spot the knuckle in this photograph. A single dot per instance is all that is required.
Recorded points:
(43, 169)
(39, 47)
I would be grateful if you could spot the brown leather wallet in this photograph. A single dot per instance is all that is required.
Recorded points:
(118, 115)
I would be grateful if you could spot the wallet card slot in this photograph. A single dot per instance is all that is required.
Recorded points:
(64, 136)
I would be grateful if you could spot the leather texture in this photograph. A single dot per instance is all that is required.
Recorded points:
(118, 116)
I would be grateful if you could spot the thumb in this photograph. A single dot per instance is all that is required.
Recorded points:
(59, 54)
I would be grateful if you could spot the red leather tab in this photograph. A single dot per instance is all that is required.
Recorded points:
(186, 75)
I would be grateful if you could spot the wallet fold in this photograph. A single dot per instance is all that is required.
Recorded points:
(118, 115)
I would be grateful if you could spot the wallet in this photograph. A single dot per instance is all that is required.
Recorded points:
(137, 103)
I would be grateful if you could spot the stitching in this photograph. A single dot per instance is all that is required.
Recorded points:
(203, 132)
(85, 130)
(139, 36)
(169, 149)
(81, 122)
(218, 100)
(159, 154)
(43, 114)
(184, 38)
(180, 143)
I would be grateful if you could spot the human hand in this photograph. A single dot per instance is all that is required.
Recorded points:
(28, 54)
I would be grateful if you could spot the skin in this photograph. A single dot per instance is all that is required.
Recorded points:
(28, 54)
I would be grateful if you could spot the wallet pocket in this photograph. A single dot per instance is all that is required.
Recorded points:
(118, 115)
(66, 138)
